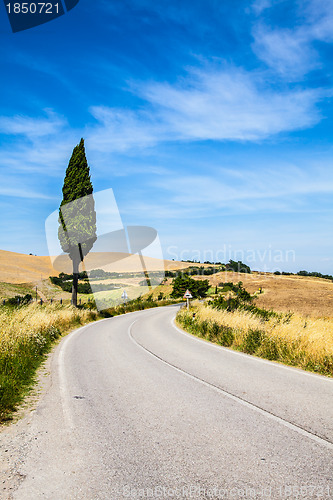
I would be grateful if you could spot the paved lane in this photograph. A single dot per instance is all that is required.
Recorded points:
(137, 409)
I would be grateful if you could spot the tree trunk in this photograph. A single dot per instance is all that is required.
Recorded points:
(75, 282)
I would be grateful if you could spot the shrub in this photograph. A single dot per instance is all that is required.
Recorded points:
(253, 340)
(226, 336)
(19, 300)
(204, 327)
(238, 267)
(183, 283)
(270, 348)
(214, 330)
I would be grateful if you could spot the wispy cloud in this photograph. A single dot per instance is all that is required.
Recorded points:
(32, 127)
(262, 184)
(319, 15)
(288, 52)
(23, 192)
(24, 187)
(42, 143)
(210, 104)
(230, 104)
(120, 130)
(46, 159)
(291, 51)
(281, 188)
(258, 6)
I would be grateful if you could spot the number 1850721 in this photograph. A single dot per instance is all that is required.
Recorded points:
(32, 8)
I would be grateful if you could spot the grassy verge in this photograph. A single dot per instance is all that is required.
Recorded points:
(303, 342)
(26, 335)
(10, 289)
(28, 332)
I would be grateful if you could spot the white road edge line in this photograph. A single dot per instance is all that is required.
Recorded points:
(63, 387)
(251, 406)
(254, 358)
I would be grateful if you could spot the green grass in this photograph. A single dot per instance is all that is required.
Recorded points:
(27, 334)
(10, 290)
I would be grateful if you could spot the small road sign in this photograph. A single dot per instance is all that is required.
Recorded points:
(187, 296)
(124, 296)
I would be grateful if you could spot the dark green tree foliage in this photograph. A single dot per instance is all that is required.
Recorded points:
(19, 300)
(77, 216)
(315, 274)
(198, 288)
(238, 267)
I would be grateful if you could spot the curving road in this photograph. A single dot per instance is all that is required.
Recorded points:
(139, 409)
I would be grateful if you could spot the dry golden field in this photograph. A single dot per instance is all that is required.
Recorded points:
(314, 334)
(21, 268)
(306, 296)
(20, 273)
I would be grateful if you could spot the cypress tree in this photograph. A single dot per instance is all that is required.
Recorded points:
(77, 216)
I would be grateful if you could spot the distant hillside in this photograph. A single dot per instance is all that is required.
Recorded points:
(22, 268)
(305, 295)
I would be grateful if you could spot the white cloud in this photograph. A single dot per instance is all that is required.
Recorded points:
(23, 187)
(120, 130)
(281, 188)
(319, 15)
(260, 5)
(287, 52)
(211, 104)
(32, 127)
(23, 193)
(42, 145)
(290, 52)
(230, 105)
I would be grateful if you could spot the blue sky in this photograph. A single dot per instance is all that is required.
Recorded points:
(211, 120)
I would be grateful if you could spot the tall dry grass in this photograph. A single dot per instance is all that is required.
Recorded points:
(26, 334)
(289, 338)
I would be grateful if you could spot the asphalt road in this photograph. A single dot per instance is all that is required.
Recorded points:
(138, 409)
